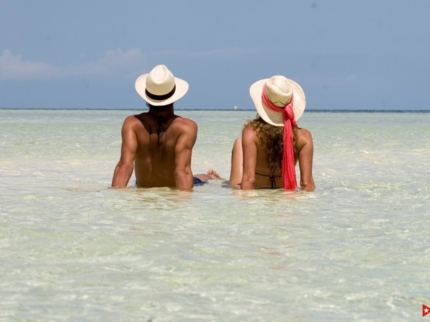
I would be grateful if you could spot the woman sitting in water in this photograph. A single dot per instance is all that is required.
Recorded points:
(270, 146)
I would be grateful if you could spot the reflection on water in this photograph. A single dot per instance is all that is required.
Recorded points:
(72, 248)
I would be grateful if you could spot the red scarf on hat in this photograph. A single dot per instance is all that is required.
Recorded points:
(288, 167)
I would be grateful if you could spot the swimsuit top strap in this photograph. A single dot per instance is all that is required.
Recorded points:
(260, 174)
(272, 179)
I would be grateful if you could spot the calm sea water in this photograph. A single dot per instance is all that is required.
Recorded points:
(356, 249)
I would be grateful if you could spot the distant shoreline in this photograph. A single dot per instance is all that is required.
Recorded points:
(214, 110)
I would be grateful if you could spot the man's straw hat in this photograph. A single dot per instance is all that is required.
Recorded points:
(160, 87)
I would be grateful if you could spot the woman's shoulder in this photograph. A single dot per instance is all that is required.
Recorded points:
(249, 131)
(304, 137)
(305, 133)
(249, 136)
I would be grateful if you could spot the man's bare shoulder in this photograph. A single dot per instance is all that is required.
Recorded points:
(130, 120)
(185, 123)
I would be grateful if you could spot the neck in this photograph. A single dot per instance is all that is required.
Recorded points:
(161, 111)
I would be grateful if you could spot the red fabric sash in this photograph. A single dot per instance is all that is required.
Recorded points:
(288, 167)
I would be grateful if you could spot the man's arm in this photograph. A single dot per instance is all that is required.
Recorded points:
(306, 155)
(124, 168)
(183, 151)
(249, 147)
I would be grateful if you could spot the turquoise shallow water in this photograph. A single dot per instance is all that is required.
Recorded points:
(355, 249)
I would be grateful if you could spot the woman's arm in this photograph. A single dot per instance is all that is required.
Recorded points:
(236, 169)
(249, 148)
(306, 154)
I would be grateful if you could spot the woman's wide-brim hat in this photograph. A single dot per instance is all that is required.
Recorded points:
(159, 87)
(279, 91)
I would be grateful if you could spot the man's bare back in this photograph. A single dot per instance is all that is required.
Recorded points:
(161, 147)
(157, 144)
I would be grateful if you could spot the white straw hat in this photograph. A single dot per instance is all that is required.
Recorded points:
(160, 87)
(279, 91)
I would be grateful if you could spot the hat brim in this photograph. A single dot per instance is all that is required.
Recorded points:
(273, 117)
(180, 91)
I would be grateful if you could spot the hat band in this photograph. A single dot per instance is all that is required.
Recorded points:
(160, 97)
(289, 180)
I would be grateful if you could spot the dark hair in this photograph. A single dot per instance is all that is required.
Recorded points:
(160, 108)
(271, 139)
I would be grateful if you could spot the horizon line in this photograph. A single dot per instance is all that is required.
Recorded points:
(221, 110)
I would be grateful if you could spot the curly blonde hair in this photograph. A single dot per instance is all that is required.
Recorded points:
(271, 138)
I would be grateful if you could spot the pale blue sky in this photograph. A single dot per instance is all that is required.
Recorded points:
(346, 54)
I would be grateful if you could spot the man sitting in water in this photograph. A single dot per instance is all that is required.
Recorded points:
(158, 142)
